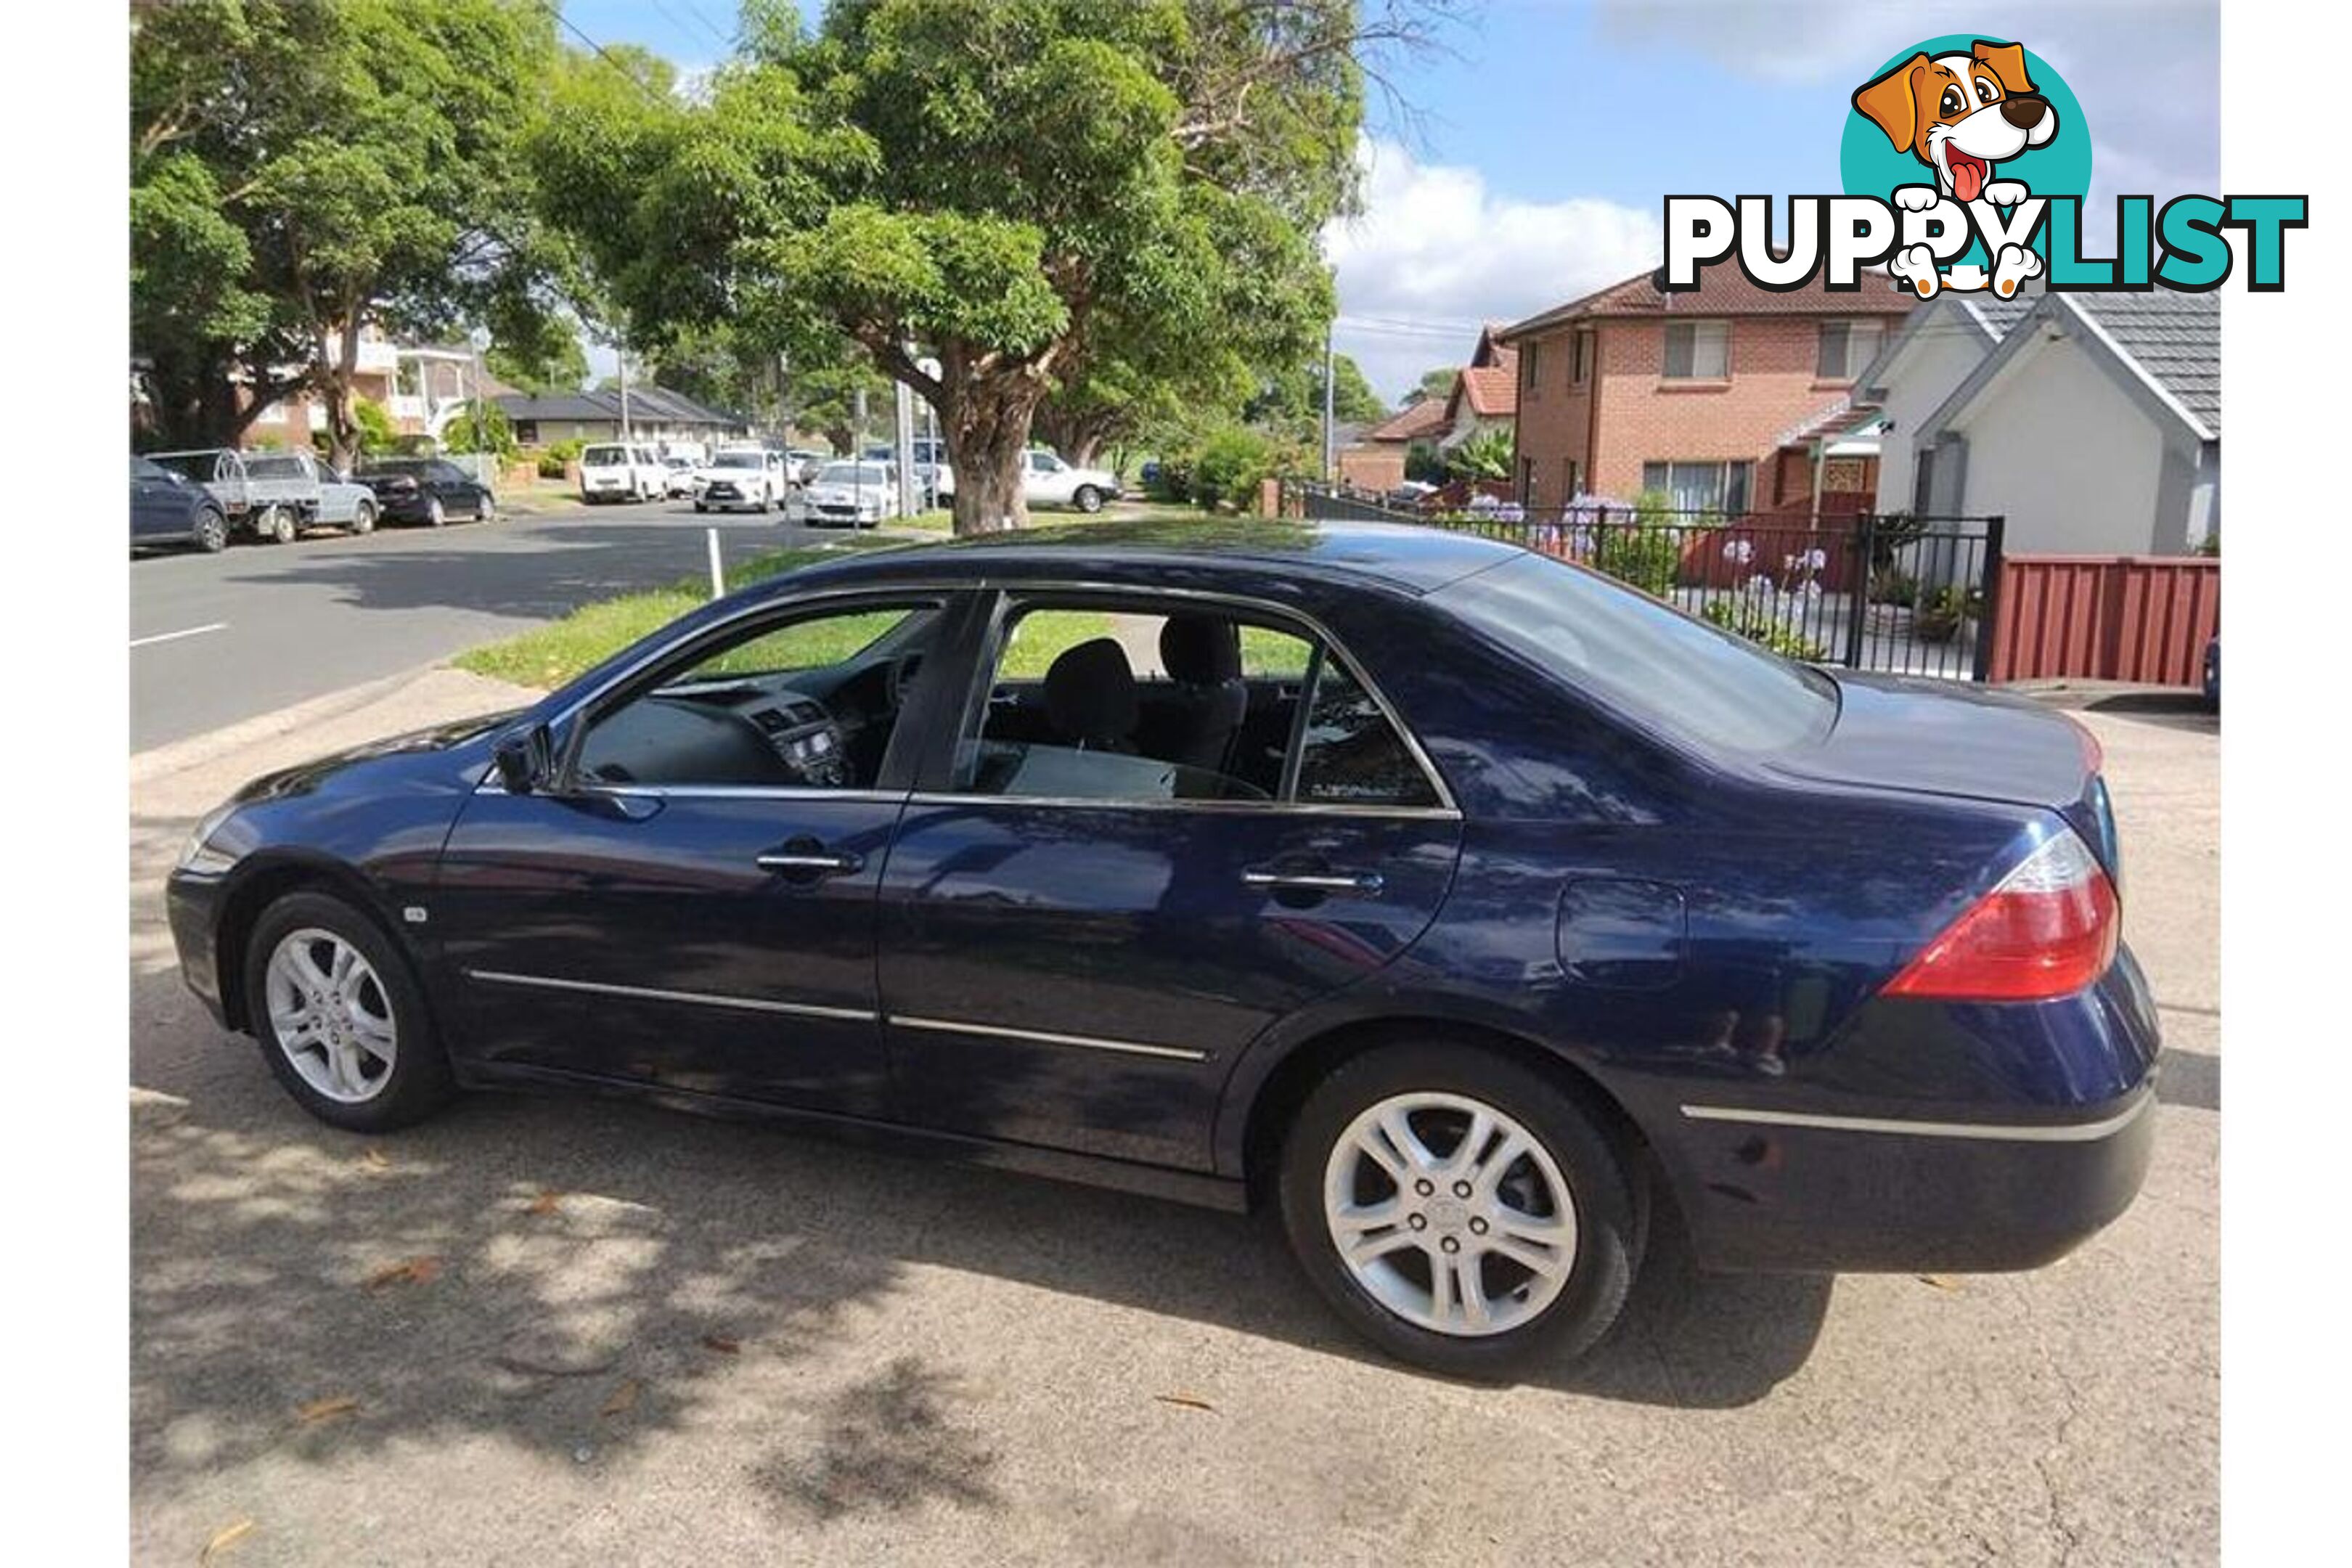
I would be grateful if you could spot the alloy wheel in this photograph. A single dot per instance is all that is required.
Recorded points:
(1450, 1214)
(330, 1015)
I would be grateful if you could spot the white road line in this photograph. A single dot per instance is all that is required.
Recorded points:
(169, 637)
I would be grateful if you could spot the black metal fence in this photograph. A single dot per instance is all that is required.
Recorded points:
(1913, 596)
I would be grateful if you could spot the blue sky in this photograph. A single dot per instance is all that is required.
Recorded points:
(1541, 141)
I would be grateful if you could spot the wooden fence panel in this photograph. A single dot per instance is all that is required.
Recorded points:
(2138, 618)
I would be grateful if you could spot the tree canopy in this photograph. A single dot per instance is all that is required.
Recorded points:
(300, 170)
(1068, 198)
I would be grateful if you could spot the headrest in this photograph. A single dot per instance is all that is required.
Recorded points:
(1090, 693)
(1201, 650)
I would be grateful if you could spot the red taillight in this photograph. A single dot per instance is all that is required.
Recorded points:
(2048, 929)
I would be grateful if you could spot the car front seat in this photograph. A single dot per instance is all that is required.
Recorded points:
(1203, 657)
(1090, 696)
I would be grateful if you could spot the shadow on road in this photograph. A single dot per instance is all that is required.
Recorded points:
(598, 1265)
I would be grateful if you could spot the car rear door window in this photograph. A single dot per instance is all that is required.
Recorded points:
(1142, 701)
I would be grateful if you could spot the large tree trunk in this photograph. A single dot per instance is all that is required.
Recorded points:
(335, 380)
(985, 421)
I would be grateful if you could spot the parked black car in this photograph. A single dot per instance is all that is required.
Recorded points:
(430, 491)
(1460, 905)
(169, 509)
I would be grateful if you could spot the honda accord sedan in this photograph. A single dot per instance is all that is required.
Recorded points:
(1463, 908)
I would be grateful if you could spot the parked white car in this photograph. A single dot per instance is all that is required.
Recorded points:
(857, 494)
(801, 463)
(1046, 481)
(684, 472)
(618, 470)
(748, 477)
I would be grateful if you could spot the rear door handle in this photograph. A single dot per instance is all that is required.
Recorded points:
(1366, 884)
(807, 858)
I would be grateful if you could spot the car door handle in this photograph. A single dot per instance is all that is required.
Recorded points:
(825, 862)
(1366, 884)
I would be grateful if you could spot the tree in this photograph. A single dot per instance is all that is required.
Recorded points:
(1437, 384)
(557, 364)
(1039, 194)
(482, 427)
(302, 170)
(1292, 400)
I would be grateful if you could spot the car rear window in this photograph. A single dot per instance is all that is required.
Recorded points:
(603, 457)
(1662, 668)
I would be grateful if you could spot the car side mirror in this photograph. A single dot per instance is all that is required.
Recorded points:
(525, 761)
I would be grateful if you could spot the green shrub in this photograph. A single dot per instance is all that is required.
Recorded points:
(1759, 625)
(552, 459)
(1893, 585)
(377, 433)
(1938, 619)
(1650, 559)
(482, 427)
(1228, 465)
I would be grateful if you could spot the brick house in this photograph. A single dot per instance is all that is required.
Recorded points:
(1376, 458)
(1485, 396)
(1727, 397)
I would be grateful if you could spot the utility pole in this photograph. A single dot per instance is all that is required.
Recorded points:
(1331, 448)
(905, 444)
(624, 390)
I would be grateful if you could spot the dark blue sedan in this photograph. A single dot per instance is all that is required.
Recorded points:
(1463, 906)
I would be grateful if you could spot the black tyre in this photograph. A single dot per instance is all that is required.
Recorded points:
(339, 1016)
(364, 519)
(212, 531)
(701, 507)
(277, 525)
(1539, 1221)
(486, 510)
(435, 514)
(1088, 498)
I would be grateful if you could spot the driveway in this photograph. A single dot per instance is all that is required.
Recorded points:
(217, 638)
(557, 1331)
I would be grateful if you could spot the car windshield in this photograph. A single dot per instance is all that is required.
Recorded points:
(604, 457)
(853, 474)
(740, 461)
(1660, 667)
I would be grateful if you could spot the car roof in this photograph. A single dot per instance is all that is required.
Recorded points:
(1399, 557)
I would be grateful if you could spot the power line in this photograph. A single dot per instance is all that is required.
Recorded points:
(556, 11)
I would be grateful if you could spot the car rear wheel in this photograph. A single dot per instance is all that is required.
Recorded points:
(1086, 498)
(212, 531)
(364, 519)
(277, 525)
(1460, 1210)
(340, 1017)
(486, 510)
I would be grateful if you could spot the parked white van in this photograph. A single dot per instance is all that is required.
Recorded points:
(618, 470)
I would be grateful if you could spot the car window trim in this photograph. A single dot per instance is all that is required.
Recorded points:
(984, 659)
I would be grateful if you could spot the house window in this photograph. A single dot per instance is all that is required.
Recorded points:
(1568, 492)
(1581, 365)
(1527, 480)
(1527, 364)
(1719, 487)
(1847, 347)
(1698, 351)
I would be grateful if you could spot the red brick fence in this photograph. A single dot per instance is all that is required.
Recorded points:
(2140, 618)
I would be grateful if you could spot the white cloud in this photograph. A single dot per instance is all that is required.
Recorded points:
(1436, 248)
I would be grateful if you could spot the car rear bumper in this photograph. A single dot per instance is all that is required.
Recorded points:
(1911, 1195)
(1925, 1138)
(192, 905)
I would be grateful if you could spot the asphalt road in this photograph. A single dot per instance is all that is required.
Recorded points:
(217, 639)
(642, 1337)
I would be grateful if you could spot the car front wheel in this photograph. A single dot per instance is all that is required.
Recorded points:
(435, 514)
(486, 510)
(1459, 1209)
(211, 531)
(364, 519)
(340, 1017)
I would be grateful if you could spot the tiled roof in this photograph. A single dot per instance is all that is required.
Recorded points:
(1412, 421)
(1723, 291)
(657, 404)
(1492, 391)
(2176, 338)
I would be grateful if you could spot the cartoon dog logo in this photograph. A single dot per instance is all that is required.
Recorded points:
(1960, 115)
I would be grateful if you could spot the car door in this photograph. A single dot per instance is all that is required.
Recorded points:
(1078, 938)
(153, 514)
(1045, 479)
(453, 486)
(690, 902)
